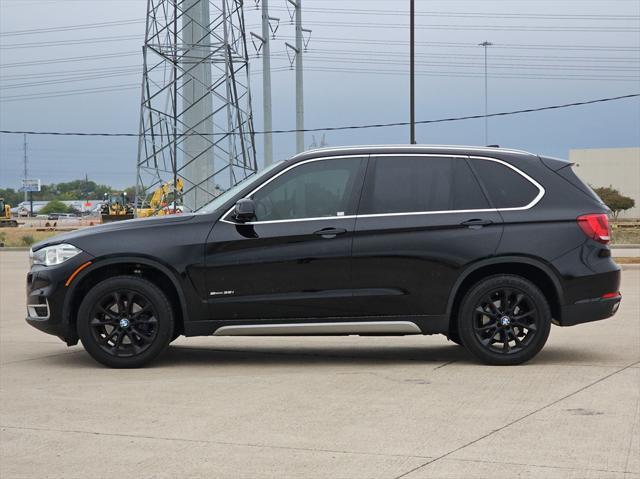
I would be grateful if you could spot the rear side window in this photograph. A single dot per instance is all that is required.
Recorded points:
(506, 187)
(406, 184)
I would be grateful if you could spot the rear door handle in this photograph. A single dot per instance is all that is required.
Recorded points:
(329, 233)
(476, 223)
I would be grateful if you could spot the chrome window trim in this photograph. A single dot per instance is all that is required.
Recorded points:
(311, 160)
(531, 204)
(541, 190)
(329, 149)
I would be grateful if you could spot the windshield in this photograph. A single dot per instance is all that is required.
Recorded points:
(221, 199)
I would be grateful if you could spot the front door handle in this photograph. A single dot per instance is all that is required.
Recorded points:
(329, 233)
(476, 223)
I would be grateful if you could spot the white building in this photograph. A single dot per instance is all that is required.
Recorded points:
(616, 167)
(82, 206)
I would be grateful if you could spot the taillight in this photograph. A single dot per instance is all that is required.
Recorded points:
(596, 227)
(610, 295)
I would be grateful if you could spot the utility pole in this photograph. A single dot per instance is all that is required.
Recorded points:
(412, 79)
(24, 144)
(266, 85)
(299, 79)
(486, 45)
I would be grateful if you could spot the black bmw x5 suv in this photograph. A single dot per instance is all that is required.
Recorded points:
(487, 246)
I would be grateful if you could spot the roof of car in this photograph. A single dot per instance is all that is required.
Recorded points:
(433, 149)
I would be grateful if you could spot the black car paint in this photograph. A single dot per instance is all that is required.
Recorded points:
(390, 267)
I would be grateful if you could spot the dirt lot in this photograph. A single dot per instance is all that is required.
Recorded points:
(413, 407)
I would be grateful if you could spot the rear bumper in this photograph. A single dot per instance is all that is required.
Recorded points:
(589, 310)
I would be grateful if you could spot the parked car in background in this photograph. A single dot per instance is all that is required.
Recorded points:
(487, 246)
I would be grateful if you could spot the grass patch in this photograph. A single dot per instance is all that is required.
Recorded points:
(24, 236)
(627, 260)
(625, 235)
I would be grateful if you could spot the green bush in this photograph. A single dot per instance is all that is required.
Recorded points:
(54, 206)
(615, 200)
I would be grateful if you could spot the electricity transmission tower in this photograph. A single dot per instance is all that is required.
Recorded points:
(196, 121)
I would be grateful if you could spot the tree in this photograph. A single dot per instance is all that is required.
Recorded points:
(72, 190)
(54, 206)
(11, 196)
(615, 200)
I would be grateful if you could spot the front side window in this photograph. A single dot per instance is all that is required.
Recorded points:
(410, 184)
(316, 189)
(506, 187)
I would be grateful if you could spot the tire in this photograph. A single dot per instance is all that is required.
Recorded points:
(454, 337)
(125, 322)
(504, 320)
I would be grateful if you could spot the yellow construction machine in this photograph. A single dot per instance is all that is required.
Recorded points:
(116, 207)
(160, 202)
(5, 215)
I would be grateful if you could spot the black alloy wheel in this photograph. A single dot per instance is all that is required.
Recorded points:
(125, 322)
(504, 319)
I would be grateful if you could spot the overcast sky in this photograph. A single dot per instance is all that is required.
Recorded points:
(356, 72)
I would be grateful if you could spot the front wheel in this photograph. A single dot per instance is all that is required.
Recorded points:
(125, 322)
(504, 320)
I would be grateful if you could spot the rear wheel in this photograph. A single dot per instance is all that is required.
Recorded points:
(125, 322)
(504, 319)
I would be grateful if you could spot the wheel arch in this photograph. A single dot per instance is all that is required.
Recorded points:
(150, 269)
(536, 271)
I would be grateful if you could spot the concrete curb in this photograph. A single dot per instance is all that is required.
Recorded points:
(14, 248)
(625, 246)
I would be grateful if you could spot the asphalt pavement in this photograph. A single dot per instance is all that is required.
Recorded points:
(320, 407)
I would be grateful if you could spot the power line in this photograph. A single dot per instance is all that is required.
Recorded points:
(328, 58)
(541, 16)
(509, 46)
(377, 53)
(82, 26)
(363, 41)
(79, 41)
(37, 96)
(70, 59)
(453, 74)
(352, 127)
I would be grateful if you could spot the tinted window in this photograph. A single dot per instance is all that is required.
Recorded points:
(506, 188)
(312, 190)
(410, 184)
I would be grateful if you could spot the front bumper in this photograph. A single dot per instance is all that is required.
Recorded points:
(46, 296)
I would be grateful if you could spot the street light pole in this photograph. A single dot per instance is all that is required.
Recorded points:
(486, 44)
(412, 106)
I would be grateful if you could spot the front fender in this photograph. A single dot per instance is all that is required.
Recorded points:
(100, 263)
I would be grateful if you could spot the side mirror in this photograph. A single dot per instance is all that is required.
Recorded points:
(245, 210)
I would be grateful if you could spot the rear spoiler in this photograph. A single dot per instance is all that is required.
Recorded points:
(563, 169)
(555, 164)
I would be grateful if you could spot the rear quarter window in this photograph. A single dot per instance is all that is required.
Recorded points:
(505, 186)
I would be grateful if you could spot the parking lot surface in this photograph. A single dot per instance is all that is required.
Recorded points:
(320, 407)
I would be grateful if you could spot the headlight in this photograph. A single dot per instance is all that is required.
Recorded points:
(52, 255)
